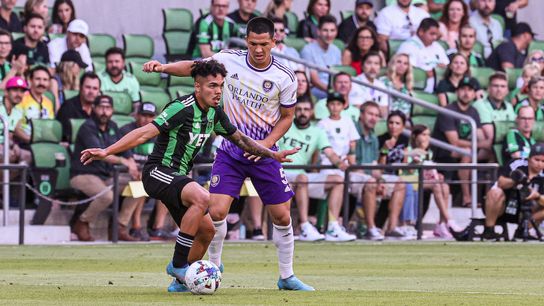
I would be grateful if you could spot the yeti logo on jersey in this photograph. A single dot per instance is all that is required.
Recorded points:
(197, 139)
(197, 125)
(163, 116)
(215, 180)
(267, 85)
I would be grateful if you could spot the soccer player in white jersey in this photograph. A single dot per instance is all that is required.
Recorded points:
(259, 98)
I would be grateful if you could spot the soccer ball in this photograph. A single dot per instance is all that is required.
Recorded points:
(203, 277)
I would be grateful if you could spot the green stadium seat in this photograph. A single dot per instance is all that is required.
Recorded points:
(422, 111)
(69, 94)
(292, 23)
(180, 81)
(451, 96)
(295, 42)
(513, 75)
(536, 45)
(138, 48)
(381, 127)
(159, 98)
(538, 131)
(478, 49)
(122, 120)
(100, 43)
(340, 44)
(439, 73)
(75, 123)
(420, 78)
(500, 19)
(345, 14)
(427, 121)
(177, 19)
(444, 45)
(17, 35)
(347, 69)
(482, 74)
(122, 102)
(179, 91)
(98, 66)
(394, 45)
(53, 36)
(149, 81)
(45, 145)
(176, 43)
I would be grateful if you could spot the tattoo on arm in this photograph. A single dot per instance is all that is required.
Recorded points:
(249, 145)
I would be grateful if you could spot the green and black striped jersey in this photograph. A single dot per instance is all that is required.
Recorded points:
(184, 128)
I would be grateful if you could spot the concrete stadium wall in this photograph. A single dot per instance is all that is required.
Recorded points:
(116, 17)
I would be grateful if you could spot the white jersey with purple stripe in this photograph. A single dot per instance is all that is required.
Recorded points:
(252, 97)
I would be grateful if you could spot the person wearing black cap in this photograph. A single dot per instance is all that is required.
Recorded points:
(364, 11)
(503, 199)
(67, 74)
(512, 53)
(100, 131)
(458, 132)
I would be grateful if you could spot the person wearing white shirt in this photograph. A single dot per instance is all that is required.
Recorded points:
(488, 30)
(360, 94)
(76, 35)
(398, 21)
(424, 50)
(279, 31)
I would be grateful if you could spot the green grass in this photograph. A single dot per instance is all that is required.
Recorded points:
(429, 273)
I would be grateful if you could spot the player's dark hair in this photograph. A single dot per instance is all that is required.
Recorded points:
(326, 19)
(427, 23)
(89, 75)
(498, 75)
(114, 50)
(33, 16)
(370, 54)
(260, 25)
(305, 99)
(32, 71)
(206, 68)
(397, 113)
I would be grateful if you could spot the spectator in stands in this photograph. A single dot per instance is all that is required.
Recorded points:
(400, 78)
(9, 21)
(99, 131)
(389, 187)
(459, 133)
(67, 76)
(425, 52)
(280, 34)
(364, 40)
(528, 72)
(322, 52)
(371, 70)
(508, 9)
(212, 31)
(518, 142)
(457, 70)
(35, 104)
(512, 53)
(536, 56)
(436, 8)
(467, 40)
(494, 108)
(341, 84)
(364, 11)
(535, 98)
(278, 9)
(399, 21)
(14, 91)
(303, 85)
(31, 44)
(454, 18)
(63, 14)
(505, 191)
(488, 30)
(318, 185)
(80, 106)
(146, 114)
(116, 78)
(309, 28)
(7, 69)
(244, 13)
(38, 7)
(75, 39)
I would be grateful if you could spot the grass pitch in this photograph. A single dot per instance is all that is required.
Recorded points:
(428, 273)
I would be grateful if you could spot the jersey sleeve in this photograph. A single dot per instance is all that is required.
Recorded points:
(288, 92)
(510, 143)
(171, 117)
(223, 126)
(203, 35)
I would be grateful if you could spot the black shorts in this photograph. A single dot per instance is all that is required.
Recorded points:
(165, 184)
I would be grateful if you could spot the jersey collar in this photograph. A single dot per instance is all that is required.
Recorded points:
(257, 69)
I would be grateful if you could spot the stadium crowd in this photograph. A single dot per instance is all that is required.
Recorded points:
(471, 57)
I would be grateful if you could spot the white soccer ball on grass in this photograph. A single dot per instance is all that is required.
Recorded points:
(203, 277)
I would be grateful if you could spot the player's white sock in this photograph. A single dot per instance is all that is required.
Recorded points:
(216, 246)
(285, 244)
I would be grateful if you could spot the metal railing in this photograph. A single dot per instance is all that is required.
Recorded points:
(5, 187)
(22, 195)
(439, 109)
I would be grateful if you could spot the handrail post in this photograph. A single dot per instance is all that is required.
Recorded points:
(345, 198)
(115, 217)
(420, 191)
(22, 206)
(5, 186)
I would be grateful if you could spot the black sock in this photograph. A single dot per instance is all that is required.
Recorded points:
(489, 229)
(181, 250)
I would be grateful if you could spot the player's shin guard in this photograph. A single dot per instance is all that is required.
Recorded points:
(285, 244)
(216, 246)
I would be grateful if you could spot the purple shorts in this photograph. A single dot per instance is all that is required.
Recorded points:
(228, 175)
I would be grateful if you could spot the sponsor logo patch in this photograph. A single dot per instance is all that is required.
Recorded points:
(215, 180)
(267, 85)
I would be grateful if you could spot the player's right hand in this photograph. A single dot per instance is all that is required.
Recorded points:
(88, 155)
(281, 156)
(153, 66)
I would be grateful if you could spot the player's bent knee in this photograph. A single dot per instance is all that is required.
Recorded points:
(217, 213)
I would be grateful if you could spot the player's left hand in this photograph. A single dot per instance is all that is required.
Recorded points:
(88, 155)
(281, 156)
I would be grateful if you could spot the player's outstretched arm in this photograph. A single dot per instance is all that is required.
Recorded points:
(181, 68)
(257, 150)
(134, 138)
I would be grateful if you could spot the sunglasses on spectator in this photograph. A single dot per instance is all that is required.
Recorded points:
(537, 59)
(364, 37)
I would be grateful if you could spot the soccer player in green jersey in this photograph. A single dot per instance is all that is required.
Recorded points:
(181, 130)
